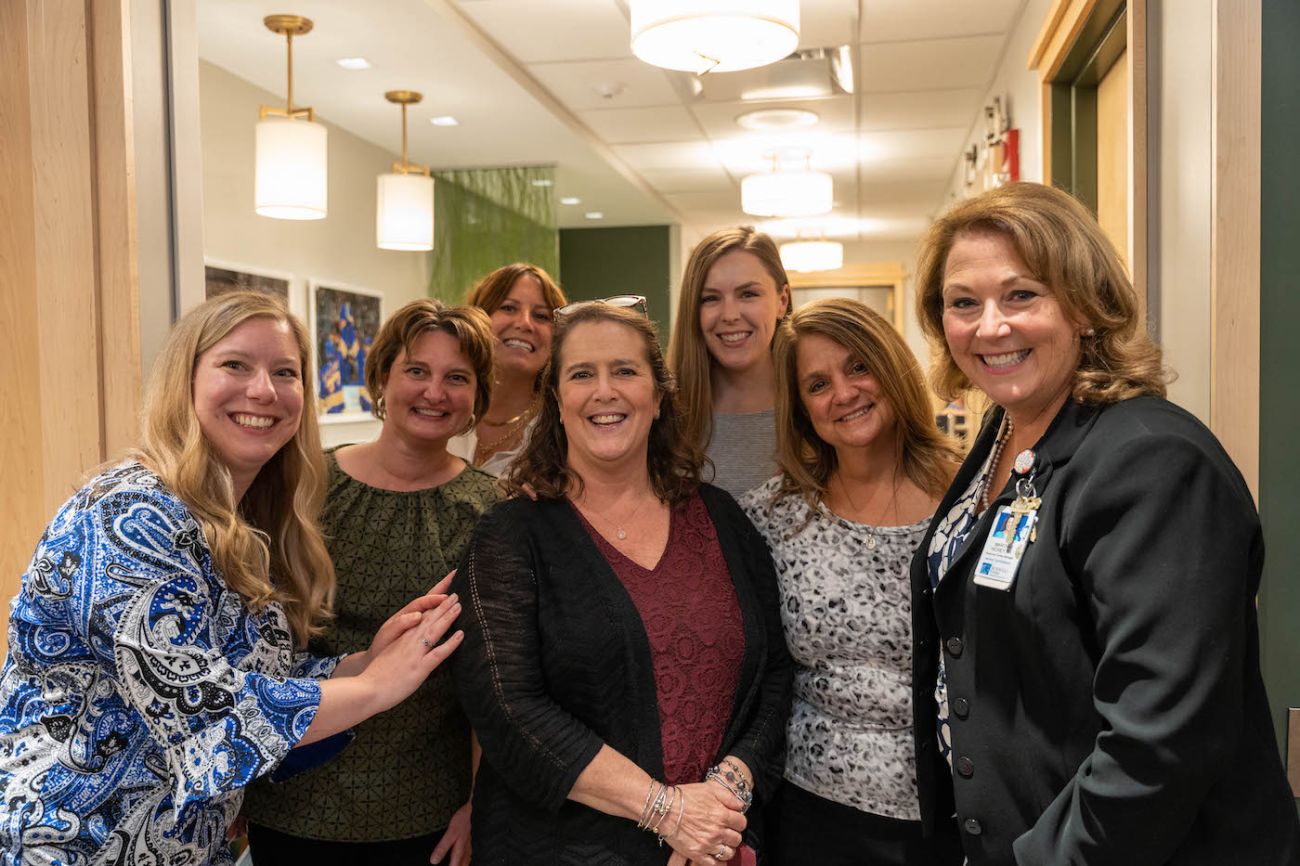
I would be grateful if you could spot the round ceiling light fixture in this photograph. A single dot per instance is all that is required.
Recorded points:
(805, 256)
(777, 119)
(783, 192)
(714, 35)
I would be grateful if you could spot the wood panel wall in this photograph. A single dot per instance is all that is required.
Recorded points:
(68, 284)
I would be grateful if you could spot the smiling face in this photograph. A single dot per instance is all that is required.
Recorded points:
(1006, 330)
(739, 307)
(248, 396)
(524, 325)
(842, 397)
(429, 392)
(607, 397)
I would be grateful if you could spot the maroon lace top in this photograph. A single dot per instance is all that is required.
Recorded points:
(692, 620)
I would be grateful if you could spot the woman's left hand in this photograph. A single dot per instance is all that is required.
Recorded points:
(455, 839)
(408, 616)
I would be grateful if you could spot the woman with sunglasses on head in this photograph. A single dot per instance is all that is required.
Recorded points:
(521, 300)
(399, 510)
(625, 668)
(862, 469)
(156, 662)
(734, 292)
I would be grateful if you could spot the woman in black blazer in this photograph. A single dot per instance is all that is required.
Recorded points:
(623, 664)
(1086, 650)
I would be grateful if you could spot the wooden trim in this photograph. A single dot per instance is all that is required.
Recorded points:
(892, 274)
(1234, 245)
(1137, 156)
(1064, 22)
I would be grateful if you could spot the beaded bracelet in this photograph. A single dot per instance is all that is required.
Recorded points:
(729, 776)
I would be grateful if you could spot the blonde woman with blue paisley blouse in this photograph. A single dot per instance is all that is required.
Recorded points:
(862, 469)
(155, 660)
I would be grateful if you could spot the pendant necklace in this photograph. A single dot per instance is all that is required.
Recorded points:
(618, 527)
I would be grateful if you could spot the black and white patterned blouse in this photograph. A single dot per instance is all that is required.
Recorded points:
(847, 612)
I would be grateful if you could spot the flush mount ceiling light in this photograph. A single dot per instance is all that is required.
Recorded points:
(787, 193)
(444, 120)
(777, 119)
(713, 35)
(404, 203)
(291, 176)
(353, 63)
(805, 256)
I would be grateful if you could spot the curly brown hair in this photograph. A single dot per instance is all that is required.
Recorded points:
(673, 462)
(1065, 248)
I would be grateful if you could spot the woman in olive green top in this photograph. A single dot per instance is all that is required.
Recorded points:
(399, 513)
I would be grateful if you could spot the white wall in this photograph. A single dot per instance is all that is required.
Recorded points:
(340, 248)
(1180, 162)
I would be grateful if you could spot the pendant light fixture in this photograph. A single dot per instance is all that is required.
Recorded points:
(291, 178)
(404, 202)
(805, 256)
(714, 35)
(782, 192)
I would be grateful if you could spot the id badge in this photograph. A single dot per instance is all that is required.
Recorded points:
(1003, 549)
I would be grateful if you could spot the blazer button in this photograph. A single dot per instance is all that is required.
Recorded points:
(965, 767)
(960, 707)
(972, 826)
(955, 646)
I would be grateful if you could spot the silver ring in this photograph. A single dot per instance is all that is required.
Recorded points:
(425, 641)
(722, 853)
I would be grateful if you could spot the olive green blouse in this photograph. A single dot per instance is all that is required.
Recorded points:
(408, 769)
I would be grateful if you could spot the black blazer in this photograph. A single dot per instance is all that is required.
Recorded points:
(556, 663)
(1108, 709)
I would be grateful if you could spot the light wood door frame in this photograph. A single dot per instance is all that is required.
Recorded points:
(891, 275)
(68, 274)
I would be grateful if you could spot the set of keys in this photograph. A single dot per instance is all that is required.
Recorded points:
(1026, 504)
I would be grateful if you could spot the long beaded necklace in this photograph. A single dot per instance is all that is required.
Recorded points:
(1004, 436)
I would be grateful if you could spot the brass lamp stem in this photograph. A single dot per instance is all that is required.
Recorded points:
(289, 107)
(405, 162)
(405, 98)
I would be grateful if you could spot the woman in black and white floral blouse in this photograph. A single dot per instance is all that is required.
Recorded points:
(863, 467)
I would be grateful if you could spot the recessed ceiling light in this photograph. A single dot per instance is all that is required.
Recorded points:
(353, 62)
(594, 215)
(543, 181)
(444, 120)
(767, 119)
(570, 199)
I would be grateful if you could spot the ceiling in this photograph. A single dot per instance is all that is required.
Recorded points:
(537, 82)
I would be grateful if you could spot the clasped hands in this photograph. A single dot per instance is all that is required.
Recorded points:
(711, 823)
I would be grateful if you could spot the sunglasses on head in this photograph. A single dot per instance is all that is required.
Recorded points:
(629, 301)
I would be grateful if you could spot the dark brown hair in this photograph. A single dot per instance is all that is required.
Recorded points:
(469, 325)
(1062, 244)
(672, 461)
(491, 290)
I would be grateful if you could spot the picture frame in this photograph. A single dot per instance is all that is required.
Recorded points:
(344, 321)
(221, 276)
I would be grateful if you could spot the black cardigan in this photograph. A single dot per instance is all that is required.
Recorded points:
(1108, 709)
(556, 663)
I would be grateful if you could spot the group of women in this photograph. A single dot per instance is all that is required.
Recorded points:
(1045, 653)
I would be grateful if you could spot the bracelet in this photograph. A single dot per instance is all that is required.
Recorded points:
(656, 807)
(647, 807)
(680, 816)
(668, 808)
(729, 776)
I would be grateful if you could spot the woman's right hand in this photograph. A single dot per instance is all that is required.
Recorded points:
(711, 819)
(399, 668)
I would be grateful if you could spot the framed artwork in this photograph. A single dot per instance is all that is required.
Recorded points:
(344, 321)
(221, 277)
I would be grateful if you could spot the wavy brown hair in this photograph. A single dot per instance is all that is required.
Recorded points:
(672, 460)
(688, 357)
(807, 462)
(266, 547)
(468, 324)
(1065, 249)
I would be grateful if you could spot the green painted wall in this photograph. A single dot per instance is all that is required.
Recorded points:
(1279, 421)
(597, 263)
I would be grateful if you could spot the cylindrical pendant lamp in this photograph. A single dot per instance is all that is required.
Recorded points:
(404, 215)
(292, 182)
(804, 256)
(787, 194)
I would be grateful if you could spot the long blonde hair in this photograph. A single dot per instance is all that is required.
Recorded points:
(922, 453)
(267, 547)
(688, 357)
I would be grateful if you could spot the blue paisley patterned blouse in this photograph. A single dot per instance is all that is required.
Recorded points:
(140, 694)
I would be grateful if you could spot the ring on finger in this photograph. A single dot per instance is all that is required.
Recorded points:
(426, 642)
(724, 853)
